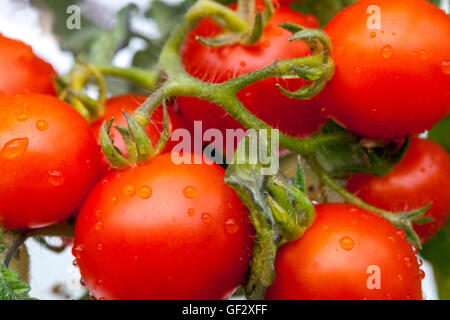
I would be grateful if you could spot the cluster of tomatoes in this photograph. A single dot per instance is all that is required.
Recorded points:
(166, 231)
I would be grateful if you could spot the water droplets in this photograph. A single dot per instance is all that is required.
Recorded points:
(41, 125)
(22, 117)
(56, 178)
(387, 51)
(445, 67)
(14, 148)
(114, 200)
(99, 247)
(424, 55)
(77, 250)
(191, 212)
(206, 218)
(129, 190)
(373, 34)
(145, 192)
(346, 243)
(231, 226)
(190, 192)
(401, 233)
(357, 70)
(421, 274)
(98, 226)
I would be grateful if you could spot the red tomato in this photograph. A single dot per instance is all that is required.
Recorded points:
(343, 255)
(129, 103)
(263, 98)
(49, 160)
(394, 81)
(22, 70)
(163, 231)
(422, 177)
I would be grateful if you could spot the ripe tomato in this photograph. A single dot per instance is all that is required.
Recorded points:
(422, 177)
(348, 253)
(49, 160)
(393, 81)
(163, 231)
(262, 98)
(22, 70)
(129, 103)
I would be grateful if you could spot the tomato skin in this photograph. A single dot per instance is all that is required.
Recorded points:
(422, 177)
(49, 160)
(262, 98)
(317, 267)
(22, 70)
(392, 82)
(129, 103)
(155, 247)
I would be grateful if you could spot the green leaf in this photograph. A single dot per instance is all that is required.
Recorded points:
(11, 288)
(360, 156)
(441, 133)
(437, 251)
(324, 10)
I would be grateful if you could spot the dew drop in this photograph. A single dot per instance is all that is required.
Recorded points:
(98, 213)
(77, 251)
(145, 192)
(41, 125)
(99, 283)
(14, 148)
(401, 233)
(99, 247)
(347, 243)
(82, 282)
(74, 263)
(56, 178)
(22, 117)
(206, 218)
(445, 67)
(386, 52)
(129, 190)
(420, 262)
(414, 250)
(373, 34)
(191, 212)
(407, 261)
(324, 113)
(357, 70)
(400, 277)
(421, 274)
(229, 205)
(423, 54)
(98, 226)
(190, 192)
(231, 226)
(114, 200)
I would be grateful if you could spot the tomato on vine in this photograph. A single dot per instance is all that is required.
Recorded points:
(22, 70)
(347, 254)
(128, 103)
(263, 98)
(391, 79)
(163, 231)
(422, 177)
(49, 159)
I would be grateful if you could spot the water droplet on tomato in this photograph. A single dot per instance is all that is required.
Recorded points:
(41, 125)
(99, 283)
(445, 67)
(22, 117)
(206, 218)
(98, 226)
(347, 243)
(266, 44)
(75, 263)
(231, 226)
(414, 54)
(386, 52)
(420, 262)
(56, 178)
(423, 54)
(76, 251)
(114, 200)
(191, 212)
(14, 148)
(99, 247)
(129, 190)
(401, 233)
(357, 70)
(82, 282)
(407, 261)
(229, 205)
(414, 250)
(400, 276)
(98, 213)
(373, 34)
(190, 192)
(421, 274)
(145, 192)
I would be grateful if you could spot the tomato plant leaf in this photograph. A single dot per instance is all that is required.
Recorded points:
(441, 133)
(359, 156)
(11, 288)
(437, 251)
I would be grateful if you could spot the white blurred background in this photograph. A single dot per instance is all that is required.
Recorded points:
(53, 276)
